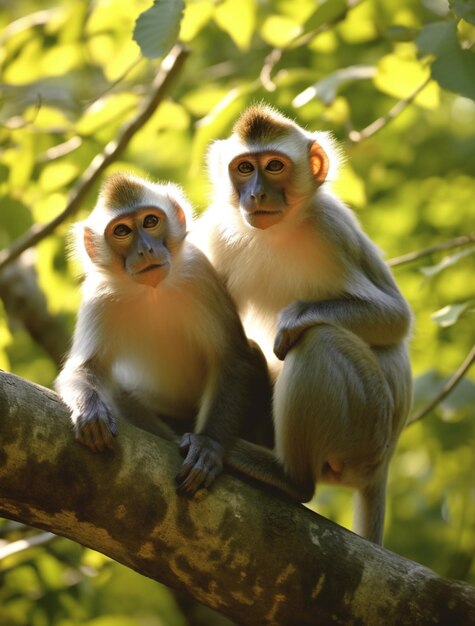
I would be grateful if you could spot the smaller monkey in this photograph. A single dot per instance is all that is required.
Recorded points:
(157, 339)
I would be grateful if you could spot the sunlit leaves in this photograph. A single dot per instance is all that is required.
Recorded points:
(401, 77)
(240, 30)
(57, 175)
(350, 187)
(279, 31)
(360, 24)
(156, 29)
(111, 109)
(196, 16)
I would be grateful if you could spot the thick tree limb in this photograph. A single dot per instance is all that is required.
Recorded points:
(257, 559)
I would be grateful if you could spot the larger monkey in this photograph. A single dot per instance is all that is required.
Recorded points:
(314, 292)
(157, 334)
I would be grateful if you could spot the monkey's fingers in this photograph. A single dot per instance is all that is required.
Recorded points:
(185, 444)
(281, 344)
(97, 433)
(286, 339)
(203, 462)
(198, 477)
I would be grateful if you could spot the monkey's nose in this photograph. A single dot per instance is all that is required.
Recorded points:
(259, 196)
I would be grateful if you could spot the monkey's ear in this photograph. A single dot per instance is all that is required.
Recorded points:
(180, 213)
(319, 162)
(90, 243)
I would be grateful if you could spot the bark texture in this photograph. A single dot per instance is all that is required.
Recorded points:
(255, 558)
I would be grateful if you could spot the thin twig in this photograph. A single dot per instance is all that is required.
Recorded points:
(170, 68)
(357, 136)
(298, 40)
(270, 62)
(446, 389)
(456, 242)
(24, 544)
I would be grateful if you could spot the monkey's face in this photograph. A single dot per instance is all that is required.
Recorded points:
(139, 241)
(262, 183)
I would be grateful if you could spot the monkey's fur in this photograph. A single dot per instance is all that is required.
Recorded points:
(315, 294)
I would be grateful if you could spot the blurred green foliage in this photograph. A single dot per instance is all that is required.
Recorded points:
(72, 74)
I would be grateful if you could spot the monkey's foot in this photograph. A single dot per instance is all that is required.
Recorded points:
(96, 433)
(203, 462)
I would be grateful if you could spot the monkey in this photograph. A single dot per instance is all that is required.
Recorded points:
(314, 292)
(158, 340)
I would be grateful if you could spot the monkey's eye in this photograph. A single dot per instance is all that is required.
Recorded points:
(245, 167)
(275, 166)
(150, 221)
(122, 230)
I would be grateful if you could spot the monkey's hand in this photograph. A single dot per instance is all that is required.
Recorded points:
(292, 323)
(94, 425)
(203, 462)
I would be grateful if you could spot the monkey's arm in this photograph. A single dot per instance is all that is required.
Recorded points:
(80, 383)
(93, 424)
(381, 322)
(373, 307)
(218, 425)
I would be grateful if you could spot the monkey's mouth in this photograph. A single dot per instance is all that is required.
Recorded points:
(152, 274)
(262, 218)
(150, 268)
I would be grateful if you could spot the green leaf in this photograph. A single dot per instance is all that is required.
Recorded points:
(240, 30)
(431, 38)
(156, 30)
(464, 9)
(453, 68)
(15, 217)
(400, 33)
(449, 315)
(447, 261)
(326, 13)
(326, 89)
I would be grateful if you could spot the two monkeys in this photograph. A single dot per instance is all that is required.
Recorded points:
(159, 341)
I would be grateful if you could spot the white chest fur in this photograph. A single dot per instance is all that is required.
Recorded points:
(266, 271)
(165, 364)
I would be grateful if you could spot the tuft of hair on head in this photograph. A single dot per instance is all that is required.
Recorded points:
(121, 190)
(261, 122)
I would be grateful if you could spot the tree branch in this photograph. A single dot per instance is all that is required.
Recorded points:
(456, 242)
(255, 558)
(299, 40)
(25, 303)
(24, 544)
(170, 68)
(357, 136)
(446, 389)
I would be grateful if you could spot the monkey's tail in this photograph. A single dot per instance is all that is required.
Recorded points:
(261, 464)
(369, 508)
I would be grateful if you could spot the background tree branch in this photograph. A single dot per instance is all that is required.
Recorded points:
(255, 558)
(456, 242)
(170, 68)
(26, 305)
